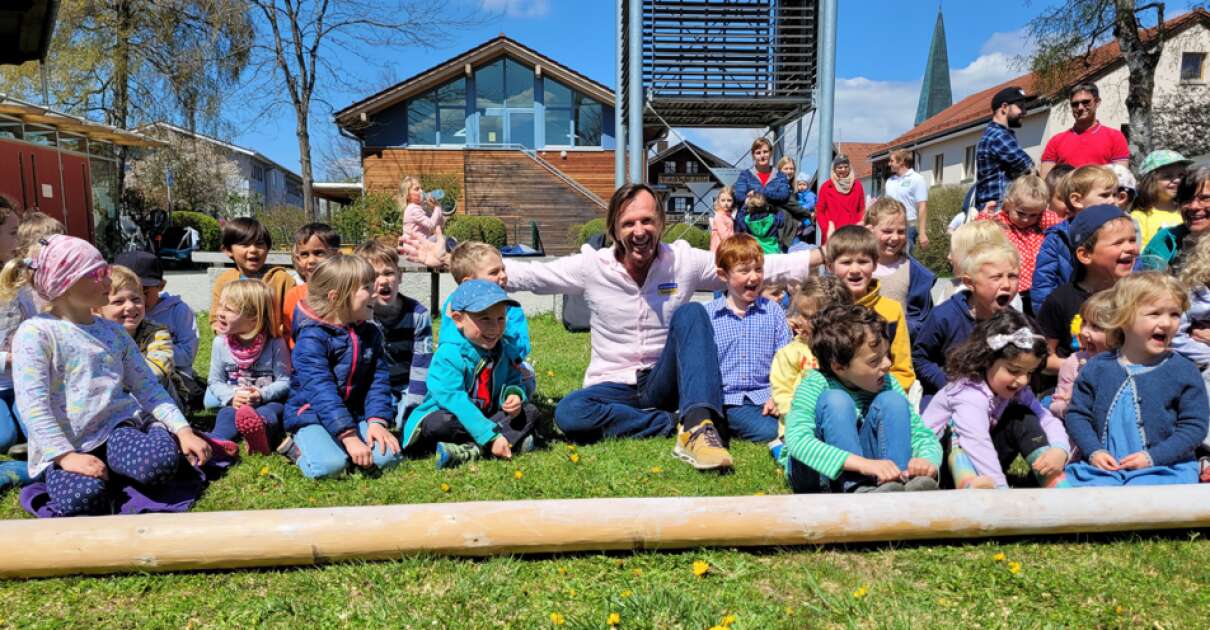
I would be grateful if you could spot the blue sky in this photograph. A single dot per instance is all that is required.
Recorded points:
(881, 51)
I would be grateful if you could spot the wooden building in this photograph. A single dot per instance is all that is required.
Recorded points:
(524, 137)
(682, 175)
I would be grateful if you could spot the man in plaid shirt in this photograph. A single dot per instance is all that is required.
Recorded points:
(998, 157)
(748, 331)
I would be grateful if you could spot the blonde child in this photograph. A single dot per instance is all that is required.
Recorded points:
(795, 217)
(248, 243)
(900, 277)
(417, 222)
(69, 359)
(964, 239)
(1025, 219)
(722, 224)
(34, 227)
(249, 368)
(1085, 187)
(1137, 413)
(989, 410)
(126, 307)
(339, 406)
(1155, 206)
(1091, 325)
(313, 243)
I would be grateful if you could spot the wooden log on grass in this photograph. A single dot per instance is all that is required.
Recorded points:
(229, 540)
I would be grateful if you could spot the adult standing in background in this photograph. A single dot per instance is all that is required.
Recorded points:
(909, 188)
(999, 158)
(1088, 141)
(841, 199)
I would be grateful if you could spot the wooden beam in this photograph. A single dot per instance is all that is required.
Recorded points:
(228, 540)
(16, 108)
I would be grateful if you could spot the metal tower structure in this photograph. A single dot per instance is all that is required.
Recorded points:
(720, 63)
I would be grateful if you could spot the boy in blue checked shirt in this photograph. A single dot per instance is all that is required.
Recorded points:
(748, 331)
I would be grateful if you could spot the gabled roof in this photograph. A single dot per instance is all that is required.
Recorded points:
(456, 67)
(859, 156)
(234, 148)
(712, 160)
(975, 110)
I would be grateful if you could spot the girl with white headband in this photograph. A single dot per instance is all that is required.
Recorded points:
(989, 410)
(82, 385)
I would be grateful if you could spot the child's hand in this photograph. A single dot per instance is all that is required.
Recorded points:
(511, 406)
(1104, 461)
(357, 450)
(883, 470)
(1136, 461)
(501, 449)
(253, 396)
(194, 448)
(1051, 462)
(84, 464)
(920, 467)
(1200, 334)
(770, 409)
(239, 399)
(379, 435)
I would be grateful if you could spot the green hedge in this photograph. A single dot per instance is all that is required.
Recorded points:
(944, 202)
(370, 216)
(450, 183)
(486, 229)
(206, 225)
(585, 231)
(696, 237)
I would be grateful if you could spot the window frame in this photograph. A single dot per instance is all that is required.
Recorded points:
(968, 164)
(939, 169)
(1201, 78)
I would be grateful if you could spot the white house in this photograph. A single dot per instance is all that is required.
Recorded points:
(944, 144)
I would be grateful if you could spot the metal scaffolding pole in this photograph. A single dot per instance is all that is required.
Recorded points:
(619, 134)
(634, 89)
(826, 82)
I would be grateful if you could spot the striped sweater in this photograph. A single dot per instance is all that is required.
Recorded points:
(803, 445)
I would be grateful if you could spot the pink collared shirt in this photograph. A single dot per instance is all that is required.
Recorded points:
(630, 322)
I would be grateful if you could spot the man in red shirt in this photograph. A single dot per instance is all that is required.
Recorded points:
(1088, 141)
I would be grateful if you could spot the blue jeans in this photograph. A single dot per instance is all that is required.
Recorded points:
(912, 233)
(684, 379)
(748, 423)
(320, 456)
(270, 413)
(10, 426)
(884, 433)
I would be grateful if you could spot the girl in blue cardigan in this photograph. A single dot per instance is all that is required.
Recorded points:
(1138, 412)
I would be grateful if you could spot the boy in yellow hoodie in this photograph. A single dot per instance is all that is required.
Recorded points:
(247, 242)
(852, 253)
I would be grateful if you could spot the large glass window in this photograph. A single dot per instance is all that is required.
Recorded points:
(504, 100)
(439, 117)
(588, 122)
(519, 85)
(565, 106)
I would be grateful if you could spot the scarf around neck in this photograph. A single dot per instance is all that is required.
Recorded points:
(843, 185)
(246, 353)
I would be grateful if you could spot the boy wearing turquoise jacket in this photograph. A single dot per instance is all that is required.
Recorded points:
(475, 404)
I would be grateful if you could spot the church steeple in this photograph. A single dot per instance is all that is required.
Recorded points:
(935, 93)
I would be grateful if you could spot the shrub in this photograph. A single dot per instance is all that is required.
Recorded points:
(585, 231)
(944, 202)
(485, 229)
(695, 236)
(450, 183)
(282, 222)
(371, 215)
(205, 225)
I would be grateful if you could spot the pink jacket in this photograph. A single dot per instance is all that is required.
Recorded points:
(415, 221)
(630, 323)
(1067, 379)
(722, 227)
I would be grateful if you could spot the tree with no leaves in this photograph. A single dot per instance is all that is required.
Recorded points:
(294, 37)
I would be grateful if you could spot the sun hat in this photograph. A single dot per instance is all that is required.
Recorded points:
(1161, 158)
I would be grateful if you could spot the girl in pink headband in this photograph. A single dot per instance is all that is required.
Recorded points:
(82, 387)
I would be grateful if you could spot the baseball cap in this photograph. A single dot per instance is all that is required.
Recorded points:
(1161, 158)
(476, 296)
(1010, 94)
(145, 265)
(1091, 219)
(1125, 177)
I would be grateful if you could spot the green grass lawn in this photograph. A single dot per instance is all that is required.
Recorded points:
(1100, 580)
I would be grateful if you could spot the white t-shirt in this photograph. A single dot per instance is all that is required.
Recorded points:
(908, 189)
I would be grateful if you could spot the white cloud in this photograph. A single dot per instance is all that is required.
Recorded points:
(518, 8)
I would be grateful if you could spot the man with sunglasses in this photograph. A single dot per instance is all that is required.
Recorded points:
(999, 158)
(1088, 141)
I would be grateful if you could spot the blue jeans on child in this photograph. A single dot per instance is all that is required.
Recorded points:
(685, 378)
(149, 457)
(270, 413)
(884, 433)
(320, 456)
(748, 423)
(11, 430)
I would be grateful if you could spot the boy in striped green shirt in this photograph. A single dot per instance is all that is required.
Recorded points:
(850, 428)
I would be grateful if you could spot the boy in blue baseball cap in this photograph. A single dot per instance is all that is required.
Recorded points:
(475, 404)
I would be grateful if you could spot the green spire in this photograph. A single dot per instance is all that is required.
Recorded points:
(935, 94)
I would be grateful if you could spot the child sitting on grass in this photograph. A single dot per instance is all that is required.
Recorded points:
(339, 407)
(850, 428)
(1025, 219)
(406, 327)
(900, 277)
(852, 252)
(1138, 413)
(82, 388)
(475, 403)
(1094, 317)
(15, 308)
(748, 331)
(1085, 187)
(989, 273)
(249, 368)
(313, 243)
(989, 412)
(125, 307)
(247, 242)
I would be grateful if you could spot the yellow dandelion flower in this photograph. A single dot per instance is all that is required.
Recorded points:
(627, 593)
(1014, 567)
(574, 457)
(717, 628)
(311, 500)
(789, 611)
(1119, 611)
(550, 372)
(517, 474)
(700, 567)
(557, 619)
(759, 493)
(264, 471)
(571, 592)
(999, 557)
(655, 470)
(728, 620)
(614, 619)
(861, 591)
(562, 571)
(445, 487)
(638, 572)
